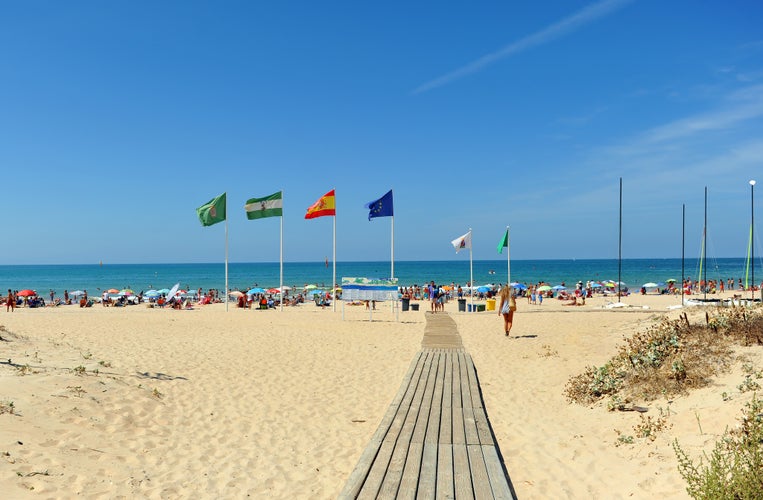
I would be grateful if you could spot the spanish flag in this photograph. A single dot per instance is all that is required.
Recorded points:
(326, 205)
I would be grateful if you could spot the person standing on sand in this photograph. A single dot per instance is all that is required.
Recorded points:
(506, 308)
(10, 302)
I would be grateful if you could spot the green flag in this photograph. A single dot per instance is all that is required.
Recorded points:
(504, 242)
(212, 211)
(269, 206)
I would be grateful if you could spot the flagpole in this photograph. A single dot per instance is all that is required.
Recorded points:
(226, 254)
(471, 267)
(392, 250)
(280, 274)
(333, 278)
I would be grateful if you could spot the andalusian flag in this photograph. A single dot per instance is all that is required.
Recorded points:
(326, 205)
(269, 206)
(212, 211)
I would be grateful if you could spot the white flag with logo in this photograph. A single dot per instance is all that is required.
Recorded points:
(464, 241)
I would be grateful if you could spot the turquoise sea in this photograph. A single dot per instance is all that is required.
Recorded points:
(95, 278)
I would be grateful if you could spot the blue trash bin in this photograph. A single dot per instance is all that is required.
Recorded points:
(469, 307)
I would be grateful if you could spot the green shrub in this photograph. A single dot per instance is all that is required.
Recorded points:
(734, 469)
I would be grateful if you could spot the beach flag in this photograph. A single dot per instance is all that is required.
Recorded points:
(504, 243)
(381, 207)
(269, 206)
(212, 211)
(326, 205)
(462, 242)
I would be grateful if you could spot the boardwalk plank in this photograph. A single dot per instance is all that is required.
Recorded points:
(462, 477)
(484, 434)
(445, 480)
(470, 427)
(496, 474)
(457, 413)
(480, 480)
(446, 416)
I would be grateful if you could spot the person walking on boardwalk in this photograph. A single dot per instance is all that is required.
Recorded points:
(507, 307)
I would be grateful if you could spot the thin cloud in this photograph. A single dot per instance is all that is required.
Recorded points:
(548, 34)
(745, 104)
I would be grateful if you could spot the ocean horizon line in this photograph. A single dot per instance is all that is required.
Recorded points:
(587, 259)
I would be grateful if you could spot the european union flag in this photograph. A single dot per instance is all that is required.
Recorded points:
(381, 207)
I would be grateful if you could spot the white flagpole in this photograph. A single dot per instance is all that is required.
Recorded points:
(280, 284)
(226, 253)
(508, 255)
(333, 286)
(471, 267)
(392, 252)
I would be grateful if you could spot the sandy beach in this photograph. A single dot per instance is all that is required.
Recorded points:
(147, 403)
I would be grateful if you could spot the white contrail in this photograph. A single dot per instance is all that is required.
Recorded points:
(567, 25)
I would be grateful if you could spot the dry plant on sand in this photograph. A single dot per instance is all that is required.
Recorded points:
(669, 358)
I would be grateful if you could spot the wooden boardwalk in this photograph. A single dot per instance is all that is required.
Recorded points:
(435, 440)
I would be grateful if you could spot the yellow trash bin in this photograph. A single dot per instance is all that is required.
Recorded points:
(490, 304)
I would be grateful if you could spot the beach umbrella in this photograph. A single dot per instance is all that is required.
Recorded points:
(273, 290)
(671, 280)
(559, 287)
(255, 291)
(173, 291)
(314, 292)
(152, 293)
(26, 293)
(650, 285)
(164, 291)
(519, 286)
(544, 288)
(236, 293)
(483, 289)
(112, 290)
(596, 285)
(126, 291)
(76, 293)
(310, 287)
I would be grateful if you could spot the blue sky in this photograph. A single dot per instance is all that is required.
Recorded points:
(118, 119)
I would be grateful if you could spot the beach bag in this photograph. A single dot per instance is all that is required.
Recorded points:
(512, 303)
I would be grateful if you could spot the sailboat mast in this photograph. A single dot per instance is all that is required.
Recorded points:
(620, 245)
(704, 247)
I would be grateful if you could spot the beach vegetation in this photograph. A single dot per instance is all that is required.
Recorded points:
(79, 370)
(733, 468)
(623, 438)
(77, 390)
(7, 407)
(670, 358)
(155, 393)
(24, 370)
